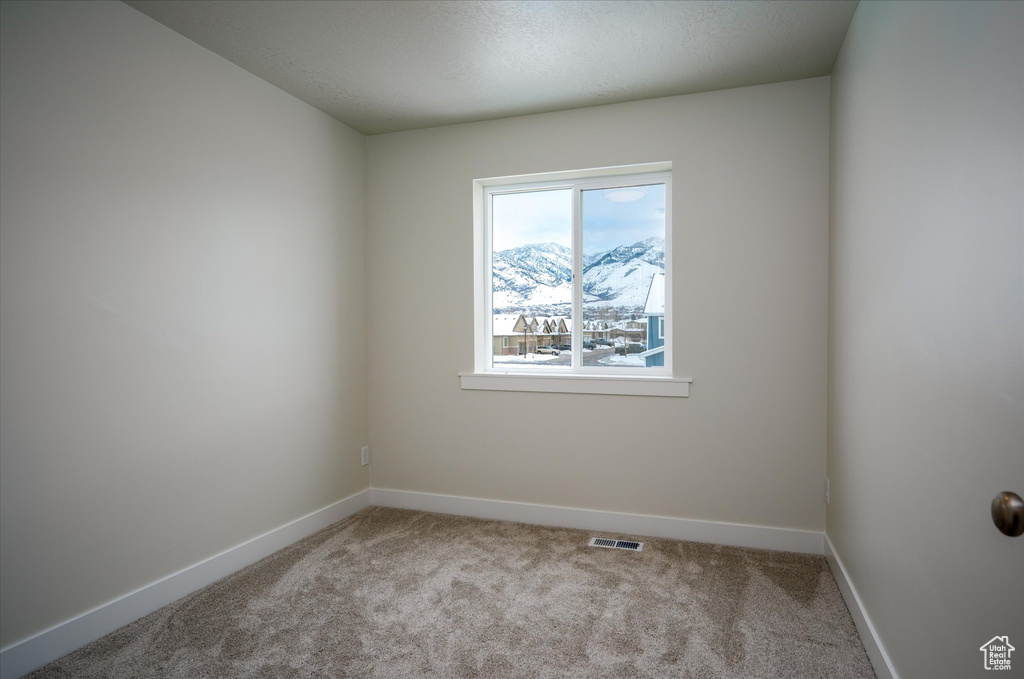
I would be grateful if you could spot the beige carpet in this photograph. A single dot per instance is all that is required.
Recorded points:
(395, 593)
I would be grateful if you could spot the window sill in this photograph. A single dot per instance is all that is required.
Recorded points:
(619, 385)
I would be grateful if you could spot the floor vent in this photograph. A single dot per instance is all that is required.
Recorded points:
(617, 544)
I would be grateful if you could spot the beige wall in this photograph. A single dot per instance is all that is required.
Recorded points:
(750, 206)
(926, 420)
(182, 329)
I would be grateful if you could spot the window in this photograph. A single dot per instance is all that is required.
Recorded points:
(572, 276)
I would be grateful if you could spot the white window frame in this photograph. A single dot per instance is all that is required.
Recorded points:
(576, 378)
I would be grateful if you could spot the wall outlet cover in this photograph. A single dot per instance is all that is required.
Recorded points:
(366, 455)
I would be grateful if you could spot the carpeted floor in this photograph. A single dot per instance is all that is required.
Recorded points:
(396, 593)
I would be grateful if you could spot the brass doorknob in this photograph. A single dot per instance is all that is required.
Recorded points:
(1008, 513)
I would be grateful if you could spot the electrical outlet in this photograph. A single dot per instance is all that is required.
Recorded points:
(828, 492)
(366, 455)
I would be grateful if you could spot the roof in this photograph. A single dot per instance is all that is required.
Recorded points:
(557, 324)
(505, 325)
(655, 305)
(652, 352)
(514, 325)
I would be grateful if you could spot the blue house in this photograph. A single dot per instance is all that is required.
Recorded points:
(654, 309)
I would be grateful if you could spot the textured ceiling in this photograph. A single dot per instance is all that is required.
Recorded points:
(387, 66)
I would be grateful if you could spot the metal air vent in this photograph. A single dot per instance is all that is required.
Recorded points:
(628, 545)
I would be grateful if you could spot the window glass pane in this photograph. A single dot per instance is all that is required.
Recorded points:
(531, 283)
(623, 276)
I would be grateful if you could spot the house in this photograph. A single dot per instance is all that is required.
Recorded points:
(616, 331)
(654, 309)
(514, 335)
(596, 330)
(557, 330)
(245, 308)
(508, 335)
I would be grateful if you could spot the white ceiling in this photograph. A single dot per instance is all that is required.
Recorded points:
(383, 66)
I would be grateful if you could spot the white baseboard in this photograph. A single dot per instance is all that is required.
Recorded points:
(735, 534)
(868, 635)
(24, 656)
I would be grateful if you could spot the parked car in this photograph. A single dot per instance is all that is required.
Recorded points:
(564, 347)
(603, 342)
(548, 350)
(631, 348)
(589, 344)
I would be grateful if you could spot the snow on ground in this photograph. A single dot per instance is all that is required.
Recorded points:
(529, 358)
(631, 360)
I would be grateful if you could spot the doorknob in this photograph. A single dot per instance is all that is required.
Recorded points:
(1008, 513)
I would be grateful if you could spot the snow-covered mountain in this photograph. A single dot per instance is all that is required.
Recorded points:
(532, 275)
(621, 277)
(541, 275)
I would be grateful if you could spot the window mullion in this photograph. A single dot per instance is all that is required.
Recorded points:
(577, 280)
(488, 285)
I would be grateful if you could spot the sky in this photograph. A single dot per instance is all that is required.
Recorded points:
(546, 217)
